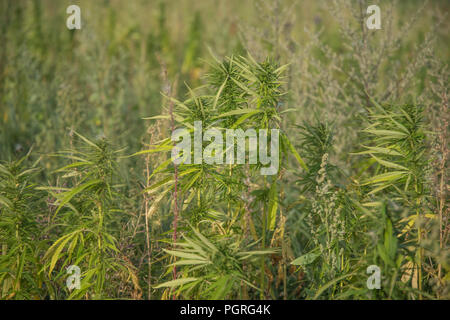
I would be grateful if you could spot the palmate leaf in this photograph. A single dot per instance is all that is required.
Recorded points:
(186, 255)
(219, 92)
(387, 151)
(206, 243)
(158, 149)
(273, 205)
(70, 194)
(169, 179)
(245, 117)
(175, 283)
(194, 245)
(237, 112)
(389, 164)
(379, 187)
(28, 172)
(386, 133)
(245, 88)
(385, 177)
(4, 171)
(294, 152)
(222, 287)
(160, 168)
(56, 249)
(85, 284)
(386, 114)
(74, 165)
(244, 255)
(192, 180)
(5, 201)
(244, 71)
(281, 69)
(89, 142)
(185, 262)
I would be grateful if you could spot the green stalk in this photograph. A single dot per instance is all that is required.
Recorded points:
(263, 246)
(419, 264)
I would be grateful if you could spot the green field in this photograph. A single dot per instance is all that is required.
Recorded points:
(87, 179)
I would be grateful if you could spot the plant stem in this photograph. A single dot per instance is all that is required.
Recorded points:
(419, 240)
(263, 246)
(147, 232)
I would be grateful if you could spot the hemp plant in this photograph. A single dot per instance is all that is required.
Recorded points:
(87, 215)
(228, 202)
(21, 244)
(397, 148)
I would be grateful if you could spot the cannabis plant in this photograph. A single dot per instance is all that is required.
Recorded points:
(213, 268)
(398, 158)
(87, 213)
(22, 214)
(240, 94)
